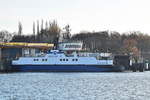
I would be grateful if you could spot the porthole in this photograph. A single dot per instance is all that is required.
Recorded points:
(36, 59)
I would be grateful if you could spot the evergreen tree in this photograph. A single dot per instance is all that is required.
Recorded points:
(38, 30)
(46, 25)
(19, 28)
(42, 25)
(34, 28)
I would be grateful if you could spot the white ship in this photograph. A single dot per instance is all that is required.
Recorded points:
(62, 61)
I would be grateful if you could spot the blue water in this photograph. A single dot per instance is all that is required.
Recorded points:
(75, 86)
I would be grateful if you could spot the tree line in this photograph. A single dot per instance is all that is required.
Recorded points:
(49, 34)
(130, 43)
(133, 43)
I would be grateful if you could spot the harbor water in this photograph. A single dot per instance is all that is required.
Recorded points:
(75, 86)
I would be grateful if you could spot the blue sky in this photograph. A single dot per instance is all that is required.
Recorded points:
(82, 15)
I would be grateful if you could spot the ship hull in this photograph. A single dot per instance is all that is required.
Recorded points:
(67, 68)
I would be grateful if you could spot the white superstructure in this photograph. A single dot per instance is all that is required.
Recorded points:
(56, 57)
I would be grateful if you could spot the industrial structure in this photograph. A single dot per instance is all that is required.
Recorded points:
(13, 50)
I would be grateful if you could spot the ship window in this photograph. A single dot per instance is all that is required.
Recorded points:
(60, 59)
(63, 59)
(66, 59)
(36, 59)
(44, 59)
(74, 59)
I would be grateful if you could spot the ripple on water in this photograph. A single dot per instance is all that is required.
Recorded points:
(75, 86)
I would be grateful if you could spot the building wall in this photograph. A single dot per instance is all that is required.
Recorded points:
(11, 53)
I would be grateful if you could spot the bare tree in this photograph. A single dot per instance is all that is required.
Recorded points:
(67, 34)
(5, 36)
